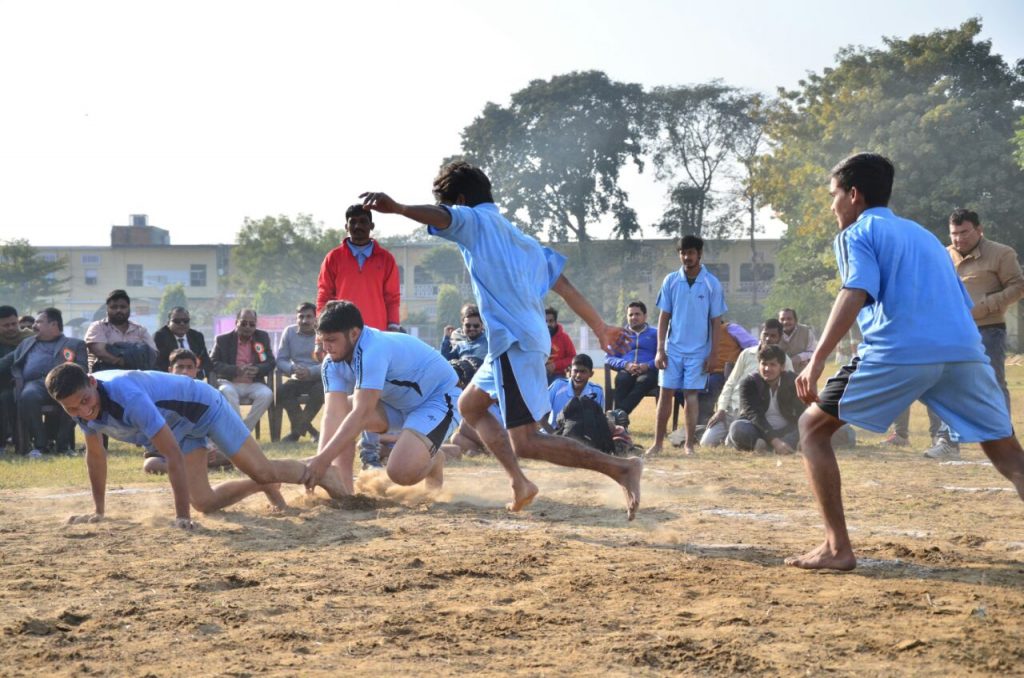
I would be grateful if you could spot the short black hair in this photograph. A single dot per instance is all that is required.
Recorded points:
(177, 309)
(8, 311)
(460, 178)
(636, 303)
(583, 360)
(358, 210)
(306, 306)
(118, 294)
(54, 316)
(181, 354)
(66, 379)
(790, 310)
(772, 352)
(690, 242)
(772, 324)
(961, 214)
(339, 316)
(871, 173)
(26, 319)
(551, 310)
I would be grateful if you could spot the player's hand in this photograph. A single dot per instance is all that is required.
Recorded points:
(184, 524)
(661, 359)
(807, 382)
(613, 338)
(380, 202)
(315, 470)
(716, 417)
(84, 518)
(448, 329)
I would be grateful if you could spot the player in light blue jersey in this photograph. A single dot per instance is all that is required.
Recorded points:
(174, 415)
(511, 272)
(382, 381)
(920, 343)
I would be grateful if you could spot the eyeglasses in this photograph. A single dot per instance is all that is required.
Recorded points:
(246, 323)
(472, 326)
(180, 321)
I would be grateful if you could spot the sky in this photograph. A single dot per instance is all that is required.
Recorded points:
(202, 113)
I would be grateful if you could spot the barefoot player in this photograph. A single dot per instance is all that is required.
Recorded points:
(379, 382)
(511, 273)
(173, 414)
(919, 343)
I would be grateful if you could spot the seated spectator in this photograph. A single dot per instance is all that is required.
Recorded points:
(769, 406)
(562, 390)
(465, 440)
(732, 339)
(242, 361)
(116, 343)
(728, 406)
(178, 333)
(27, 322)
(295, 360)
(11, 334)
(798, 341)
(184, 362)
(467, 309)
(635, 373)
(474, 341)
(562, 348)
(32, 361)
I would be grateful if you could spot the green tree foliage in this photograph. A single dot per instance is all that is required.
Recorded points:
(449, 303)
(277, 260)
(173, 296)
(554, 154)
(942, 106)
(446, 265)
(27, 281)
(1020, 142)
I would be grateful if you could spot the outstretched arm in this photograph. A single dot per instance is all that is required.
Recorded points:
(612, 338)
(167, 445)
(431, 215)
(844, 312)
(96, 462)
(353, 418)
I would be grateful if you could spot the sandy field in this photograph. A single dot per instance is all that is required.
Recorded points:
(395, 583)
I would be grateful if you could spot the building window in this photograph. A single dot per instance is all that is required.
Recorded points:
(720, 271)
(134, 278)
(197, 276)
(764, 272)
(90, 259)
(91, 276)
(49, 257)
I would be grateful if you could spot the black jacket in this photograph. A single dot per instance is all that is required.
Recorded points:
(225, 352)
(167, 343)
(755, 396)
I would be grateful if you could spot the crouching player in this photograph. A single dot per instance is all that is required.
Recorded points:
(382, 381)
(173, 414)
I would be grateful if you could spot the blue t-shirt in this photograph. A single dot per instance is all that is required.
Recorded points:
(560, 393)
(407, 371)
(510, 271)
(136, 404)
(692, 308)
(917, 310)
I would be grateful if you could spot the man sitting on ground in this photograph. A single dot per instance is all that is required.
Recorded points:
(578, 385)
(474, 341)
(798, 341)
(769, 407)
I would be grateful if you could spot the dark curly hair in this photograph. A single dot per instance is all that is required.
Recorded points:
(459, 178)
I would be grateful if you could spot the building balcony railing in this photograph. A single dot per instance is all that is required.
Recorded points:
(431, 290)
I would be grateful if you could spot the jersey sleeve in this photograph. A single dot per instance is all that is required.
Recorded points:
(143, 414)
(858, 261)
(665, 296)
(463, 228)
(718, 307)
(370, 367)
(334, 379)
(555, 265)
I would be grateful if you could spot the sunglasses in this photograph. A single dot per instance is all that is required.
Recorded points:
(179, 321)
(472, 326)
(246, 323)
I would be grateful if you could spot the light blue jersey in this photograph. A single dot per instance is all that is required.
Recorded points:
(510, 271)
(692, 308)
(560, 393)
(917, 310)
(405, 370)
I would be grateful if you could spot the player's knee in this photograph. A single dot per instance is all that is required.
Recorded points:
(403, 475)
(204, 503)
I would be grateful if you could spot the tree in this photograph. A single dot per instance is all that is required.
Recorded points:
(1020, 142)
(554, 154)
(691, 133)
(277, 260)
(941, 106)
(445, 264)
(26, 279)
(173, 296)
(449, 303)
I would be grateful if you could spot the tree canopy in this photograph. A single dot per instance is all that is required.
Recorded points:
(173, 296)
(27, 280)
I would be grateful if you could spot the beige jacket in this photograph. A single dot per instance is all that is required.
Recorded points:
(992, 276)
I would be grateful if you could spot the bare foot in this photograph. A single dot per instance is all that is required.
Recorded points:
(824, 558)
(273, 493)
(185, 524)
(631, 485)
(435, 479)
(331, 481)
(86, 518)
(689, 451)
(522, 495)
(653, 451)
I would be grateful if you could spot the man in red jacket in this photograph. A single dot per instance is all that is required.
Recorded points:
(361, 271)
(562, 348)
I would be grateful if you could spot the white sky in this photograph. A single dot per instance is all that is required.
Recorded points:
(200, 113)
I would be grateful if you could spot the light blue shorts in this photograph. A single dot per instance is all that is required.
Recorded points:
(686, 372)
(221, 424)
(965, 395)
(518, 380)
(436, 418)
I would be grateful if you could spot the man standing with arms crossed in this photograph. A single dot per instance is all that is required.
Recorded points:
(364, 273)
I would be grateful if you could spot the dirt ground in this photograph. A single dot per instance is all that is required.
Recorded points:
(397, 584)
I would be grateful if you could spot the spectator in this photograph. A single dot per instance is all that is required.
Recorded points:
(473, 343)
(242, 361)
(729, 399)
(11, 334)
(32, 361)
(184, 362)
(732, 339)
(693, 303)
(769, 406)
(467, 309)
(364, 273)
(295, 360)
(635, 373)
(176, 334)
(27, 322)
(116, 342)
(562, 348)
(578, 385)
(798, 341)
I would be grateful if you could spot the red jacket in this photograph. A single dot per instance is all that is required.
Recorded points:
(375, 289)
(562, 350)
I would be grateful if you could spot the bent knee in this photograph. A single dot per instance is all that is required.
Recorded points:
(404, 476)
(203, 503)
